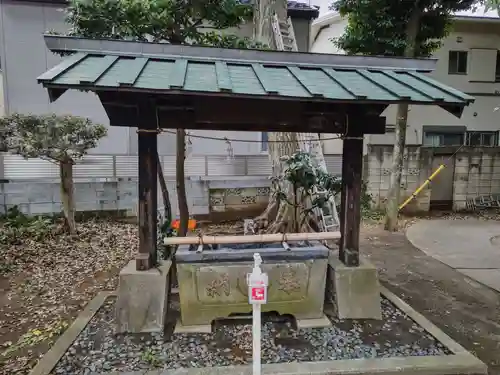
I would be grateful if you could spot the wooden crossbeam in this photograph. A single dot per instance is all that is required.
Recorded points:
(258, 238)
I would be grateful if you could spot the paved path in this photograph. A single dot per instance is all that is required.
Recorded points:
(470, 246)
(464, 309)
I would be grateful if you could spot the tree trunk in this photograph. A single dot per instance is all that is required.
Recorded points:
(67, 195)
(280, 216)
(311, 143)
(181, 182)
(393, 195)
(164, 191)
(262, 14)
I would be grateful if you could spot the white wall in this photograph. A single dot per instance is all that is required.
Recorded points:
(322, 39)
(480, 115)
(2, 104)
(24, 57)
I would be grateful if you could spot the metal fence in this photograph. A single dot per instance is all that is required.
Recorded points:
(14, 167)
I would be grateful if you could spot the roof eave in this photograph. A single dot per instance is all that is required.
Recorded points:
(306, 14)
(55, 91)
(65, 44)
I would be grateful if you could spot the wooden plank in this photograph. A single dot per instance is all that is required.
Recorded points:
(148, 186)
(350, 205)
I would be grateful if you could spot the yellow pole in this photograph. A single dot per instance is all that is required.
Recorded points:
(441, 167)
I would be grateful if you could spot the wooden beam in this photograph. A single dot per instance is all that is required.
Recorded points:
(257, 238)
(350, 210)
(236, 114)
(148, 187)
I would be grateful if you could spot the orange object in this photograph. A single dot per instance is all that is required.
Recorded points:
(191, 224)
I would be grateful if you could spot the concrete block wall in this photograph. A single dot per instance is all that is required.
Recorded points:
(43, 197)
(236, 199)
(377, 171)
(477, 173)
(109, 182)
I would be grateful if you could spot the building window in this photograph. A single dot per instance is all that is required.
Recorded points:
(435, 139)
(390, 128)
(484, 139)
(457, 62)
(264, 145)
(497, 69)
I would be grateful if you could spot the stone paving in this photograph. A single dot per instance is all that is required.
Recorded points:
(470, 246)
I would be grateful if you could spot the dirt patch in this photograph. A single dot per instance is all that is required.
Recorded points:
(464, 309)
(50, 281)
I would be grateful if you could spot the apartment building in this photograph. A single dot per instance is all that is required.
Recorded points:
(468, 60)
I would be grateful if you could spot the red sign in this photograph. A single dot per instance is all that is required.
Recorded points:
(258, 293)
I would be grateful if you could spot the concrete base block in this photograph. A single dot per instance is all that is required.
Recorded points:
(356, 289)
(314, 323)
(142, 300)
(200, 328)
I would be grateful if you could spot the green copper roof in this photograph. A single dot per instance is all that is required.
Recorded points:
(161, 73)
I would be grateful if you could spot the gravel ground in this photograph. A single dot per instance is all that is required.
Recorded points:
(98, 349)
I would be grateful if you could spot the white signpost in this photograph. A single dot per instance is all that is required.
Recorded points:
(257, 295)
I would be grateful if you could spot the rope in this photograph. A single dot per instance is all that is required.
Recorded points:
(225, 139)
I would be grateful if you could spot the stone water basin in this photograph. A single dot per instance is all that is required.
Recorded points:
(212, 283)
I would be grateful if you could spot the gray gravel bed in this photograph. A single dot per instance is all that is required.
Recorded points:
(99, 349)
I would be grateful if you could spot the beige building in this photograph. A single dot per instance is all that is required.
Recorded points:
(469, 60)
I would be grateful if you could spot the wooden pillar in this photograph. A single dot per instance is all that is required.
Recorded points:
(350, 208)
(148, 186)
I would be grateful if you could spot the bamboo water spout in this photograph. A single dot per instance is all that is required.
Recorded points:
(258, 238)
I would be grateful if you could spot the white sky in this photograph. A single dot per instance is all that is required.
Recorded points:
(324, 4)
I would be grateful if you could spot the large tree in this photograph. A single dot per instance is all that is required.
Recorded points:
(197, 22)
(281, 212)
(59, 139)
(490, 4)
(410, 28)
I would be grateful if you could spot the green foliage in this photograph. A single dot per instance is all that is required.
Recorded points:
(161, 21)
(490, 4)
(366, 203)
(35, 336)
(302, 172)
(151, 358)
(379, 27)
(17, 226)
(304, 175)
(60, 138)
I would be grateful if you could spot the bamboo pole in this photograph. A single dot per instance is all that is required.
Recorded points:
(427, 182)
(258, 238)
